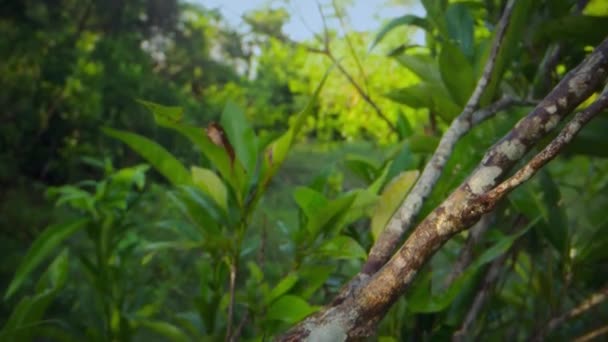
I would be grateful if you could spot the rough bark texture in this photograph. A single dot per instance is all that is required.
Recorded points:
(357, 314)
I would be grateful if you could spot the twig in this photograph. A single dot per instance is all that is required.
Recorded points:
(593, 334)
(403, 219)
(232, 299)
(364, 95)
(580, 309)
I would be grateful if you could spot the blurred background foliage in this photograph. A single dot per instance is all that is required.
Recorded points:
(99, 246)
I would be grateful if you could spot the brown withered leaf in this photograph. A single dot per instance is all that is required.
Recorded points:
(218, 136)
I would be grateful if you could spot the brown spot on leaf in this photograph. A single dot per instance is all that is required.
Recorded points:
(218, 136)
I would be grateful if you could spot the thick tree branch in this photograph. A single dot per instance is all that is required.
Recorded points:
(358, 314)
(403, 219)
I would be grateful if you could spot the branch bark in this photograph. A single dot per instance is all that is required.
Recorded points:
(356, 315)
(403, 219)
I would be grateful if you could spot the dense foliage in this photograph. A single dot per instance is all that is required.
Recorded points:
(166, 176)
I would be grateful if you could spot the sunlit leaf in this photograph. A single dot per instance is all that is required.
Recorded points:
(281, 288)
(456, 73)
(391, 199)
(241, 136)
(165, 329)
(211, 184)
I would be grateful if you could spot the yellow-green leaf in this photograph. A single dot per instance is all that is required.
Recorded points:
(391, 198)
(211, 184)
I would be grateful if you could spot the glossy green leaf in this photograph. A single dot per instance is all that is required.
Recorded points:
(161, 159)
(405, 20)
(460, 27)
(289, 309)
(165, 329)
(281, 288)
(456, 73)
(43, 246)
(391, 199)
(364, 167)
(241, 136)
(211, 184)
(56, 274)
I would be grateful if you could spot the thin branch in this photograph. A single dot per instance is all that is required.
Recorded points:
(586, 305)
(590, 336)
(403, 219)
(233, 267)
(357, 315)
(551, 150)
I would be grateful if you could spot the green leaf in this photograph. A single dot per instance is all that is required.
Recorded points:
(241, 136)
(205, 202)
(26, 315)
(342, 247)
(423, 143)
(330, 215)
(161, 159)
(165, 329)
(211, 184)
(424, 66)
(407, 19)
(309, 200)
(404, 129)
(460, 27)
(427, 95)
(435, 13)
(281, 288)
(591, 139)
(313, 277)
(233, 173)
(391, 199)
(289, 309)
(56, 274)
(364, 167)
(456, 73)
(44, 245)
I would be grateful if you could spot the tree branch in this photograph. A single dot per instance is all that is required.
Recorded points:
(358, 314)
(404, 217)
